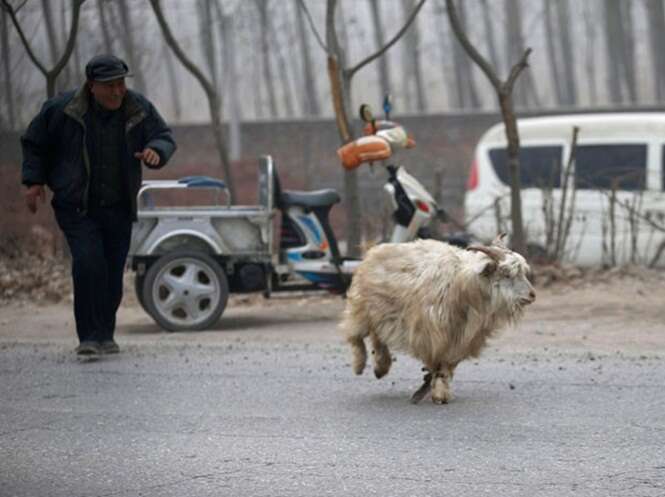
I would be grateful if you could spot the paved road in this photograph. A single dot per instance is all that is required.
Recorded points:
(235, 413)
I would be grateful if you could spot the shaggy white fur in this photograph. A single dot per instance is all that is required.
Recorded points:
(435, 301)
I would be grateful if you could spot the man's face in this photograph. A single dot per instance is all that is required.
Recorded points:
(109, 94)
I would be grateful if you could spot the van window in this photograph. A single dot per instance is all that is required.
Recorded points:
(540, 166)
(604, 166)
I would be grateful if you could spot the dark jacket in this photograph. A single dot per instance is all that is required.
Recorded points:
(55, 153)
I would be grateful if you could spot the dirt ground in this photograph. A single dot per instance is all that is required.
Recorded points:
(617, 311)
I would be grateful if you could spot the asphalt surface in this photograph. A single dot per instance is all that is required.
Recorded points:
(215, 414)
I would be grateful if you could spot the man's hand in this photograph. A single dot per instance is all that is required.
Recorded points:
(148, 156)
(32, 195)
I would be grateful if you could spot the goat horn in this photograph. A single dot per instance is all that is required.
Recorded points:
(492, 253)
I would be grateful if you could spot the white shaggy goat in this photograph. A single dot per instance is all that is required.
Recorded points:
(435, 301)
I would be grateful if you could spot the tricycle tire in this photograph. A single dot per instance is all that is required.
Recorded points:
(185, 291)
(139, 281)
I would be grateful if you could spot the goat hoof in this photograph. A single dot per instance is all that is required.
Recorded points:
(379, 373)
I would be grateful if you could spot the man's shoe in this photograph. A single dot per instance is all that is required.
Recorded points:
(109, 347)
(88, 350)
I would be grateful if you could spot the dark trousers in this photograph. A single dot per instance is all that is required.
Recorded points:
(99, 242)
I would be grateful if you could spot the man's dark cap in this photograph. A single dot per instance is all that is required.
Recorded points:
(106, 68)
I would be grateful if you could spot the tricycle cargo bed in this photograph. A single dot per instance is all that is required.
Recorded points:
(226, 231)
(231, 232)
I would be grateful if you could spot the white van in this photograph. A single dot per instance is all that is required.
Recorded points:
(617, 179)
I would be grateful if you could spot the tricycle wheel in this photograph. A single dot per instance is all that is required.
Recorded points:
(139, 280)
(185, 291)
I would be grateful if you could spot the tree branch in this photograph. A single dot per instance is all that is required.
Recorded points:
(352, 70)
(179, 53)
(470, 49)
(516, 70)
(302, 5)
(26, 44)
(71, 41)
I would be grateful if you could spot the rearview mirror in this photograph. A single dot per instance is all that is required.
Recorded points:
(366, 113)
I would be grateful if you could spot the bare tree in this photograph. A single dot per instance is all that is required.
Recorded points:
(174, 87)
(230, 70)
(379, 40)
(282, 68)
(552, 51)
(214, 102)
(130, 46)
(413, 78)
(568, 55)
(264, 22)
(620, 51)
(6, 67)
(490, 37)
(590, 51)
(310, 94)
(50, 75)
(656, 22)
(525, 93)
(504, 90)
(465, 88)
(340, 76)
(104, 26)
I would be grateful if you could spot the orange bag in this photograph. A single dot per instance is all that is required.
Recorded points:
(364, 149)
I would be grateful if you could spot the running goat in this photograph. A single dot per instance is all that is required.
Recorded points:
(435, 301)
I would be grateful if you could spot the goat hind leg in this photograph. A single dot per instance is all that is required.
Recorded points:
(359, 352)
(382, 358)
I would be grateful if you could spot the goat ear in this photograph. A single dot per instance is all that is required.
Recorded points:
(488, 268)
(500, 241)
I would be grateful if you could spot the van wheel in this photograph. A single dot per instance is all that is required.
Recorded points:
(185, 291)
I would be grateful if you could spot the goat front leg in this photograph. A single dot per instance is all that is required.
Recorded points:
(441, 393)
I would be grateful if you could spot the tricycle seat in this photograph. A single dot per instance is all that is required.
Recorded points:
(311, 200)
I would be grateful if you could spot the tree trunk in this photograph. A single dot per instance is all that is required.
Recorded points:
(490, 36)
(174, 87)
(310, 94)
(525, 93)
(207, 40)
(231, 72)
(445, 41)
(262, 6)
(67, 77)
(6, 66)
(411, 63)
(282, 68)
(512, 135)
(590, 21)
(133, 59)
(614, 49)
(504, 90)
(51, 38)
(628, 52)
(467, 95)
(568, 55)
(105, 26)
(656, 21)
(379, 39)
(52, 74)
(552, 52)
(213, 100)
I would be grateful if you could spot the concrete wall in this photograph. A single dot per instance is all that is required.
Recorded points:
(305, 154)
